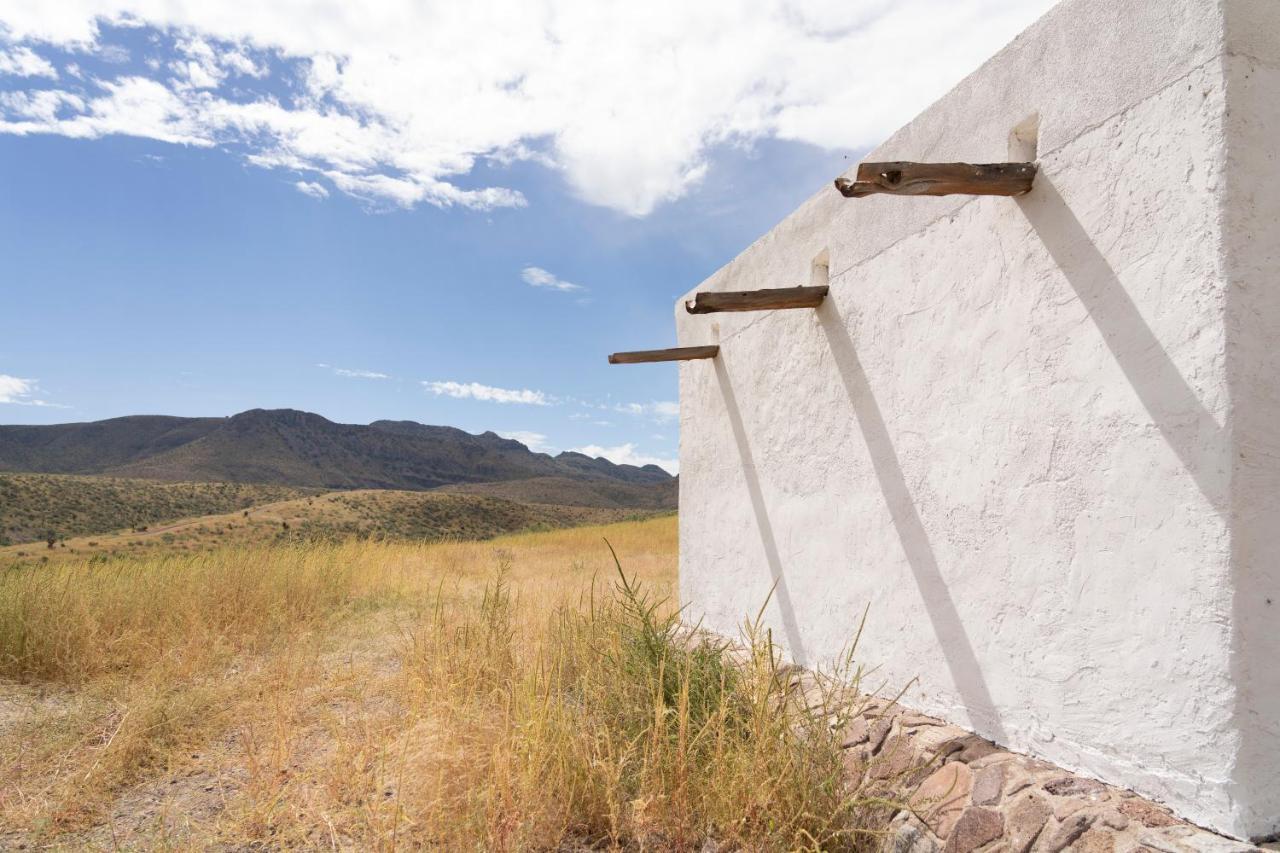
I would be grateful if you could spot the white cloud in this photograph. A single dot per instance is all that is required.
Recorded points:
(13, 389)
(40, 106)
(626, 454)
(311, 188)
(397, 102)
(476, 391)
(238, 62)
(535, 441)
(354, 374)
(202, 66)
(136, 106)
(659, 410)
(114, 54)
(25, 62)
(538, 277)
(18, 392)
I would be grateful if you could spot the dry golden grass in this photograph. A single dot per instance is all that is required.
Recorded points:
(515, 694)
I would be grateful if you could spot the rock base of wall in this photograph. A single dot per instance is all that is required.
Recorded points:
(962, 793)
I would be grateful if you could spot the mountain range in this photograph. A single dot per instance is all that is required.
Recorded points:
(294, 448)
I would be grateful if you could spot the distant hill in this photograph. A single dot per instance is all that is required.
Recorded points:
(286, 447)
(33, 506)
(564, 491)
(336, 515)
(98, 446)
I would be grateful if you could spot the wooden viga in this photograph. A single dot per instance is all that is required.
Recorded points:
(772, 299)
(711, 302)
(674, 354)
(905, 178)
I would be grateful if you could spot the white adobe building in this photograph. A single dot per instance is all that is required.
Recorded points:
(1038, 436)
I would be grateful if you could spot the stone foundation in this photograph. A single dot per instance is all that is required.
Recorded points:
(962, 793)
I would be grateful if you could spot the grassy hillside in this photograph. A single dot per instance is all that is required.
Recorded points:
(511, 695)
(567, 492)
(33, 505)
(366, 513)
(414, 515)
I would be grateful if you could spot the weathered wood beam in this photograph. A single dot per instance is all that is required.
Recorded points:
(902, 178)
(674, 354)
(757, 300)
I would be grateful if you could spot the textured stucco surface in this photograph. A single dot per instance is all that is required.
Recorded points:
(1015, 428)
(1251, 243)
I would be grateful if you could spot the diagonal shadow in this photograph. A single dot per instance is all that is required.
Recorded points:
(957, 650)
(1174, 408)
(781, 593)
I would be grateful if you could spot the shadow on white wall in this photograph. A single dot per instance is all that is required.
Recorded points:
(961, 660)
(781, 594)
(1177, 412)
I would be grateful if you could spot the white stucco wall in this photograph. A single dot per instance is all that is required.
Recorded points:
(1251, 248)
(1039, 437)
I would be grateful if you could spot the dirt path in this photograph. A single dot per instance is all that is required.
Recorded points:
(223, 517)
(306, 709)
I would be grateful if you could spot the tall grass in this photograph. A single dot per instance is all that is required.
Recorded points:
(616, 726)
(526, 694)
(72, 622)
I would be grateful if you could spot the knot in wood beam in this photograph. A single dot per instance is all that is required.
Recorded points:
(907, 178)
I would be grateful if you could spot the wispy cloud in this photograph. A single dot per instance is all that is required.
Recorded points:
(354, 374)
(538, 277)
(399, 102)
(20, 392)
(476, 391)
(359, 374)
(535, 441)
(627, 454)
(25, 62)
(659, 410)
(311, 188)
(15, 390)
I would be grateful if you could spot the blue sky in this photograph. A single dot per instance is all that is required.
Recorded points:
(202, 213)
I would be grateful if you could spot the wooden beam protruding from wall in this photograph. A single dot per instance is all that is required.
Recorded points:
(675, 354)
(711, 302)
(902, 178)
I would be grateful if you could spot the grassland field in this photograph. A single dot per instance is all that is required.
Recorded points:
(514, 694)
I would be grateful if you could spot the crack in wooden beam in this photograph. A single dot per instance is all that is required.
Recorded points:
(904, 178)
(711, 302)
(673, 354)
